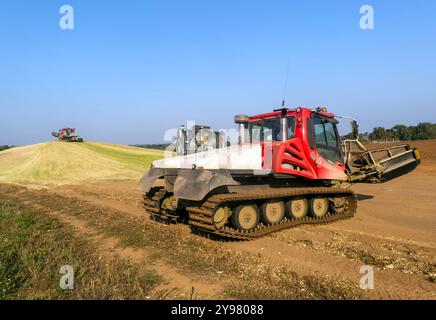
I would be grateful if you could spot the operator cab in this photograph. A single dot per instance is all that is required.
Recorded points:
(280, 126)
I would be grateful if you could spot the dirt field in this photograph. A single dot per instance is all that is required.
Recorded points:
(394, 231)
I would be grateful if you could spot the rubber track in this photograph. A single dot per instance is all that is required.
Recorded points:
(152, 204)
(200, 217)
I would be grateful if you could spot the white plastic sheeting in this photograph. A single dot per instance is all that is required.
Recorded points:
(238, 157)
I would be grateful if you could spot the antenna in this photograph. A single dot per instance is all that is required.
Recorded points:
(285, 88)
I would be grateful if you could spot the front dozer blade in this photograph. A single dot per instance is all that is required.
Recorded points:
(381, 164)
(398, 161)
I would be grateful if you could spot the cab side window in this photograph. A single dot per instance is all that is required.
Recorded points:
(291, 128)
(327, 140)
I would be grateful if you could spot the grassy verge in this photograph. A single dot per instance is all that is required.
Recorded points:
(33, 247)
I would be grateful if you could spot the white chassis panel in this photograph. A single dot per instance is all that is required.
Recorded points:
(246, 157)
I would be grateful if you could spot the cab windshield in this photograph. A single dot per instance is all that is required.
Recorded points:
(267, 130)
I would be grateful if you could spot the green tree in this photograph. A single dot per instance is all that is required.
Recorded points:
(378, 134)
(5, 147)
(402, 132)
(424, 131)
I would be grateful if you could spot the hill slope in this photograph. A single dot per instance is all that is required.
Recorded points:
(65, 163)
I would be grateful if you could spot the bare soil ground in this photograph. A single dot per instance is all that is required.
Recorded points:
(394, 231)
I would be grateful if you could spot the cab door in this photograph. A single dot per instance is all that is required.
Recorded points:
(327, 139)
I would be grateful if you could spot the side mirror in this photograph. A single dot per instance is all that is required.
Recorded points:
(354, 129)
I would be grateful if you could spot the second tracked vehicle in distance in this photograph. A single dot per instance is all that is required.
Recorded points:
(67, 135)
(290, 167)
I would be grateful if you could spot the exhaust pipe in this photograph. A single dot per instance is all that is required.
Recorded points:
(181, 141)
(242, 121)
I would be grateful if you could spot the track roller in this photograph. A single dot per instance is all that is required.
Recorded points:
(297, 208)
(272, 211)
(220, 217)
(319, 207)
(246, 217)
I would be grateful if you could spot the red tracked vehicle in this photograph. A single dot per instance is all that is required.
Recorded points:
(290, 167)
(67, 135)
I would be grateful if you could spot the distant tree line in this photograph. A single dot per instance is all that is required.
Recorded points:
(161, 146)
(5, 147)
(399, 132)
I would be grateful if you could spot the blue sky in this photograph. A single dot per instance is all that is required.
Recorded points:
(132, 69)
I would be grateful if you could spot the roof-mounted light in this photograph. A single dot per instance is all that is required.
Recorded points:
(322, 109)
(242, 119)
